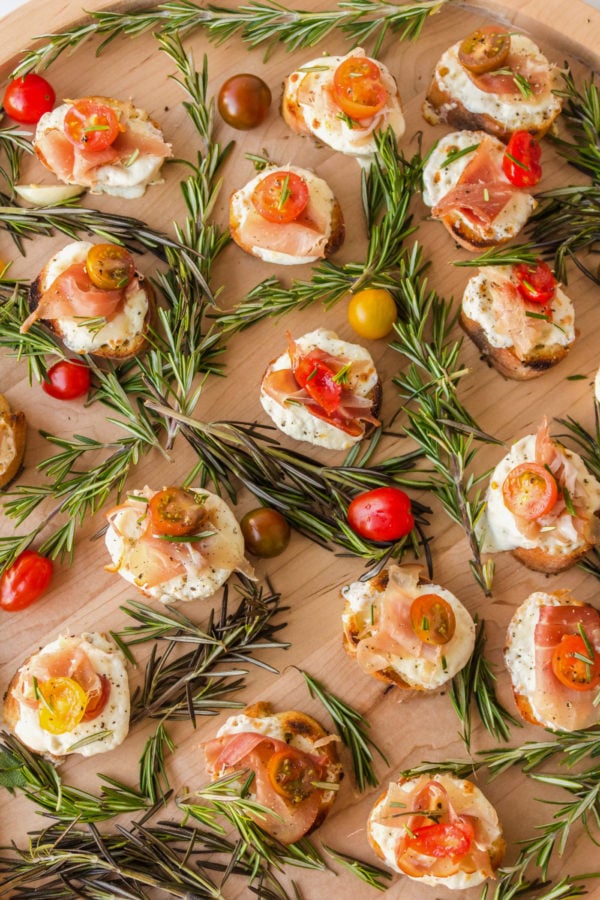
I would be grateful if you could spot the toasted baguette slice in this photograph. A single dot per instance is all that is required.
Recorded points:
(13, 435)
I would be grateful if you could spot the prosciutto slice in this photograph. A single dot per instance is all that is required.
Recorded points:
(551, 700)
(503, 83)
(69, 661)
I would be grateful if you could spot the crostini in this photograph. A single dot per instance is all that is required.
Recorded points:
(437, 829)
(464, 183)
(109, 146)
(286, 216)
(93, 299)
(176, 543)
(496, 81)
(13, 436)
(552, 654)
(405, 630)
(72, 696)
(522, 321)
(294, 762)
(322, 390)
(343, 101)
(542, 504)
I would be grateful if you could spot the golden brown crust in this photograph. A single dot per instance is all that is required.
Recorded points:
(13, 438)
(10, 709)
(506, 361)
(468, 237)
(550, 563)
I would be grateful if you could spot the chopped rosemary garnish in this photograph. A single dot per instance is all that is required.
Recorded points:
(568, 501)
(522, 84)
(341, 377)
(367, 872)
(519, 163)
(285, 193)
(458, 153)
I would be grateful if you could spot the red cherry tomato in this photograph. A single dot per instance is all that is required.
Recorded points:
(570, 667)
(91, 125)
(443, 840)
(521, 160)
(319, 382)
(536, 283)
(26, 99)
(529, 491)
(383, 514)
(280, 197)
(244, 101)
(358, 88)
(25, 581)
(67, 380)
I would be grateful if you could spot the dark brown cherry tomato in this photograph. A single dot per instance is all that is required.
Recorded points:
(529, 491)
(484, 50)
(536, 283)
(177, 512)
(319, 382)
(293, 774)
(67, 379)
(357, 87)
(266, 532)
(280, 197)
(521, 160)
(570, 667)
(27, 98)
(110, 267)
(443, 840)
(25, 581)
(383, 514)
(91, 125)
(244, 101)
(432, 619)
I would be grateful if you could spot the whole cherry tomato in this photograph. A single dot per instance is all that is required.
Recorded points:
(266, 532)
(110, 266)
(280, 196)
(319, 381)
(432, 619)
(27, 98)
(357, 87)
(484, 50)
(244, 101)
(372, 313)
(177, 512)
(536, 282)
(25, 581)
(67, 379)
(521, 160)
(383, 514)
(529, 491)
(91, 125)
(574, 665)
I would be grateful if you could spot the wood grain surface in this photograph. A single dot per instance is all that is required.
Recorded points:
(409, 727)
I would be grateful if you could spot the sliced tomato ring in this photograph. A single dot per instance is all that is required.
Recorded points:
(443, 840)
(574, 665)
(521, 160)
(529, 491)
(485, 49)
(357, 87)
(293, 774)
(177, 511)
(280, 197)
(91, 125)
(432, 619)
(319, 382)
(110, 267)
(62, 704)
(535, 283)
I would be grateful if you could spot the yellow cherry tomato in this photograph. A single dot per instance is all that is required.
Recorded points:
(62, 704)
(372, 313)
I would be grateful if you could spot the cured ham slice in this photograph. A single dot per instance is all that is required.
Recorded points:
(70, 661)
(502, 82)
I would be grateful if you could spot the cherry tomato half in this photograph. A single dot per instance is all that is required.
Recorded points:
(280, 196)
(536, 283)
(97, 701)
(62, 705)
(443, 840)
(570, 667)
(432, 619)
(91, 125)
(484, 50)
(372, 313)
(521, 160)
(265, 531)
(293, 774)
(529, 491)
(25, 581)
(357, 87)
(383, 514)
(67, 380)
(110, 267)
(177, 511)
(319, 382)
(244, 101)
(27, 98)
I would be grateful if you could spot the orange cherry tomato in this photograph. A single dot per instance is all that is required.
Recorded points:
(319, 382)
(110, 267)
(91, 125)
(529, 491)
(536, 283)
(432, 619)
(177, 512)
(484, 50)
(62, 704)
(357, 87)
(573, 664)
(443, 840)
(293, 774)
(521, 160)
(372, 313)
(280, 197)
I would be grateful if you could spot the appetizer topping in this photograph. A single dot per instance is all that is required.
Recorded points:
(383, 514)
(293, 774)
(67, 379)
(280, 197)
(521, 160)
(62, 704)
(266, 532)
(176, 511)
(530, 491)
(358, 88)
(432, 619)
(28, 97)
(575, 662)
(243, 101)
(91, 126)
(110, 266)
(485, 49)
(535, 283)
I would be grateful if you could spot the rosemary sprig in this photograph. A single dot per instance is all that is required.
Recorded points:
(256, 23)
(14, 143)
(372, 875)
(352, 728)
(502, 256)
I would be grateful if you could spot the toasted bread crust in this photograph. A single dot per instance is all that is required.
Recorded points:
(506, 361)
(13, 427)
(539, 560)
(291, 110)
(10, 709)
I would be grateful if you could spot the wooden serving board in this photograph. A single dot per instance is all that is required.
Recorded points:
(409, 727)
